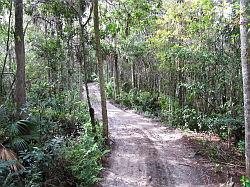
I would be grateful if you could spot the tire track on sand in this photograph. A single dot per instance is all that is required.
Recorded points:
(145, 153)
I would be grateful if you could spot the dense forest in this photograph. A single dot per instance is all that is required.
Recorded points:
(184, 62)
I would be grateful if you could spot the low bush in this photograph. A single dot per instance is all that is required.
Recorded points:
(84, 155)
(54, 146)
(188, 117)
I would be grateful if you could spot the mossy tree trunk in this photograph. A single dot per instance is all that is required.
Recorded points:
(20, 57)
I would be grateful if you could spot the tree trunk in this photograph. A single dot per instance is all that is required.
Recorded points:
(70, 52)
(117, 85)
(80, 73)
(20, 56)
(245, 60)
(91, 110)
(181, 93)
(133, 74)
(46, 42)
(84, 70)
(100, 70)
(7, 51)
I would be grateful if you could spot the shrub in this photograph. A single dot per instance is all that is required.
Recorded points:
(84, 155)
(186, 118)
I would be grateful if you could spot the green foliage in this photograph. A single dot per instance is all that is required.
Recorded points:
(58, 8)
(54, 116)
(12, 178)
(21, 133)
(84, 155)
(186, 59)
(41, 142)
(38, 162)
(141, 101)
(219, 124)
(241, 146)
(110, 89)
(194, 47)
(186, 118)
(61, 112)
(18, 134)
(245, 181)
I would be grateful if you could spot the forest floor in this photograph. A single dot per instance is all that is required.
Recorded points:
(147, 153)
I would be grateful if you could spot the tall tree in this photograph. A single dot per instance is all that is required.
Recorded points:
(245, 60)
(20, 56)
(7, 48)
(100, 70)
(117, 84)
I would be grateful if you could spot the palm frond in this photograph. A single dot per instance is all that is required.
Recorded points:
(9, 155)
(19, 143)
(13, 129)
(21, 132)
(20, 127)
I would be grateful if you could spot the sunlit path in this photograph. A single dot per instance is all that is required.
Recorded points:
(145, 153)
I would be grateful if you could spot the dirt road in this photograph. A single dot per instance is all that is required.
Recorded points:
(146, 153)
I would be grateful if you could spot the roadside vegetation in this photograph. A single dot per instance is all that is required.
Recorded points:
(180, 61)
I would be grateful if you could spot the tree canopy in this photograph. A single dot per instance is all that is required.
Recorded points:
(182, 61)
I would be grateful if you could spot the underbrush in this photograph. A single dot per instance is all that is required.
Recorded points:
(220, 122)
(53, 146)
(217, 158)
(84, 155)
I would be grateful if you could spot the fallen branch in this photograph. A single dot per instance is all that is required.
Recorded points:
(225, 163)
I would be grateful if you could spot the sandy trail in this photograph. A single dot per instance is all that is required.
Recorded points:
(146, 153)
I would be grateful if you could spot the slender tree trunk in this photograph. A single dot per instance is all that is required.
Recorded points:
(53, 65)
(91, 110)
(69, 65)
(181, 96)
(111, 66)
(10, 70)
(133, 74)
(107, 71)
(245, 60)
(100, 69)
(117, 84)
(7, 49)
(48, 60)
(127, 32)
(127, 29)
(84, 70)
(69, 60)
(20, 56)
(80, 73)
(61, 82)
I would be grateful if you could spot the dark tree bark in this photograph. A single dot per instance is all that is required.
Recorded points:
(127, 29)
(245, 60)
(20, 56)
(84, 66)
(83, 71)
(100, 70)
